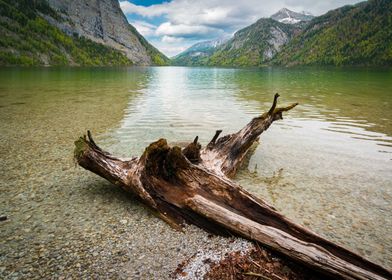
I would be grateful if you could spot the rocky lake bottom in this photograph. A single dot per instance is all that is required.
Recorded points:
(326, 166)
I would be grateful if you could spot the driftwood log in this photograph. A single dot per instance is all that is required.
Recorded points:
(192, 185)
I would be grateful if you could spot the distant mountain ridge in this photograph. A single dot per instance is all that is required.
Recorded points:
(250, 46)
(358, 34)
(196, 54)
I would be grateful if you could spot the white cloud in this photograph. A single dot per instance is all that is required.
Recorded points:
(144, 28)
(227, 13)
(172, 48)
(150, 11)
(171, 39)
(205, 19)
(184, 30)
(224, 17)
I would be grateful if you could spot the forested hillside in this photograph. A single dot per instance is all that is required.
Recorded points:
(351, 35)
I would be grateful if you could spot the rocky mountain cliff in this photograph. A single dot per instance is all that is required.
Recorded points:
(102, 21)
(77, 32)
(255, 44)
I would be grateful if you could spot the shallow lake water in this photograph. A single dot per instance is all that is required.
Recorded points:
(327, 165)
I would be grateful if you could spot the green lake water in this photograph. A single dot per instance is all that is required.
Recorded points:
(327, 165)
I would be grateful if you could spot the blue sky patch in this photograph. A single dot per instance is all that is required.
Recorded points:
(147, 3)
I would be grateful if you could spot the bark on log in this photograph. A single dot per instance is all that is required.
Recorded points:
(192, 185)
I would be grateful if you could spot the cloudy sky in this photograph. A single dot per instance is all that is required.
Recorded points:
(173, 26)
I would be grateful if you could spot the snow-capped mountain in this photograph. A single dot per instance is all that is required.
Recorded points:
(204, 47)
(198, 52)
(289, 17)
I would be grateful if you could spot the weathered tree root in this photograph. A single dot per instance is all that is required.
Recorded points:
(192, 185)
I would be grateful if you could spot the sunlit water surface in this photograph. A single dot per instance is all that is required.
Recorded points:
(327, 165)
